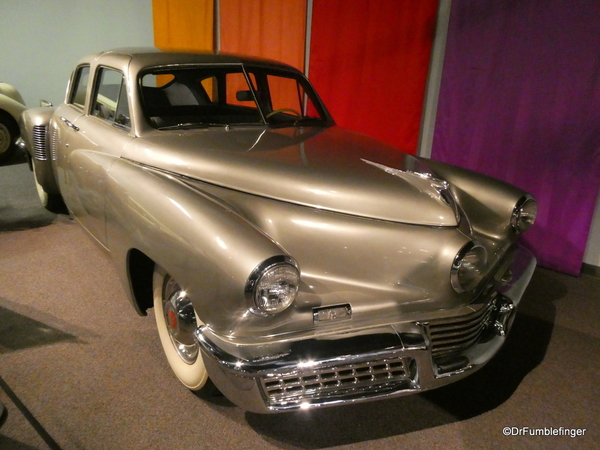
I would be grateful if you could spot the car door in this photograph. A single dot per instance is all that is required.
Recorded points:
(94, 141)
(62, 126)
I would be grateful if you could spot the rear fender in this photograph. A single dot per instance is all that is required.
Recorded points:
(206, 247)
(11, 92)
(12, 107)
(11, 101)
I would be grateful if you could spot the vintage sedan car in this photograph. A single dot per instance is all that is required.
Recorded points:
(290, 263)
(11, 107)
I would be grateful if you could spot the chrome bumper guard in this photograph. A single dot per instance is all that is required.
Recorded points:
(367, 364)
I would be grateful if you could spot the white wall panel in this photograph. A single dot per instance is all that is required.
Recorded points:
(42, 40)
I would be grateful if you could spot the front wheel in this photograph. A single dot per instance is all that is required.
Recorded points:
(176, 321)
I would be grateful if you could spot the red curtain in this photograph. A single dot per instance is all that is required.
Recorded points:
(369, 61)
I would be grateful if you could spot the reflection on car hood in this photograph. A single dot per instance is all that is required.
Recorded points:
(328, 168)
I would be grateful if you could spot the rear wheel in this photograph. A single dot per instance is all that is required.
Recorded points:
(176, 321)
(9, 132)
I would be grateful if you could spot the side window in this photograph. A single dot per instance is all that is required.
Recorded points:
(210, 87)
(285, 93)
(110, 98)
(80, 86)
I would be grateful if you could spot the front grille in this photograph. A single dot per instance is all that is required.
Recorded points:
(344, 380)
(450, 336)
(39, 143)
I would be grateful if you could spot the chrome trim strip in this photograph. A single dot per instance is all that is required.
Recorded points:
(325, 353)
(53, 143)
(69, 123)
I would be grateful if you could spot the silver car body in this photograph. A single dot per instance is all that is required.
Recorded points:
(376, 234)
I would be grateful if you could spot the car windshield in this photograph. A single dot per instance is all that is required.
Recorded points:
(203, 96)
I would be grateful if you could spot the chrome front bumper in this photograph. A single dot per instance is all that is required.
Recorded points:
(367, 364)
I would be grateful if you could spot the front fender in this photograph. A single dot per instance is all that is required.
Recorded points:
(487, 202)
(34, 126)
(206, 247)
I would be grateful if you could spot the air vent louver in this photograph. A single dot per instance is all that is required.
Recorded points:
(40, 151)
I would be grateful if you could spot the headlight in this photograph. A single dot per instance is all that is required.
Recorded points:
(468, 267)
(273, 285)
(524, 214)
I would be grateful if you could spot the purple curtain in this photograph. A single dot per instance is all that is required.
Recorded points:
(520, 101)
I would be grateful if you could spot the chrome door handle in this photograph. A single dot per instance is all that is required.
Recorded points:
(69, 123)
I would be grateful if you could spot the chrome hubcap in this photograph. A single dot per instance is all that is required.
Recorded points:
(180, 320)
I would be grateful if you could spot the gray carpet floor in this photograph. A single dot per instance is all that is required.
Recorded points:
(79, 369)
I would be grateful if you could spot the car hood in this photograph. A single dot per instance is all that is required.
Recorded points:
(327, 168)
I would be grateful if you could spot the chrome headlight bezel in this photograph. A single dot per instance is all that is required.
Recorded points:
(279, 276)
(524, 214)
(468, 267)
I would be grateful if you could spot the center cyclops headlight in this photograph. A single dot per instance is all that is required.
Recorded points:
(524, 214)
(468, 268)
(273, 285)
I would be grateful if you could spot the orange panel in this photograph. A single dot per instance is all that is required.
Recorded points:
(183, 24)
(272, 29)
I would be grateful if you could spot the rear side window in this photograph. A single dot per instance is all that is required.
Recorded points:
(109, 101)
(80, 85)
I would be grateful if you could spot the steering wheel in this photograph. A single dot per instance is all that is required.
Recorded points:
(277, 111)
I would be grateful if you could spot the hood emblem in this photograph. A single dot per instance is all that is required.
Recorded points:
(332, 313)
(436, 183)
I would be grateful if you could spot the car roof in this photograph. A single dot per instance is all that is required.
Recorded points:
(139, 58)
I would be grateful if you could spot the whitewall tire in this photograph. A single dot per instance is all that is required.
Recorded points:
(176, 319)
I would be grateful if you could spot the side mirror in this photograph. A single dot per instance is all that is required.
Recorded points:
(122, 120)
